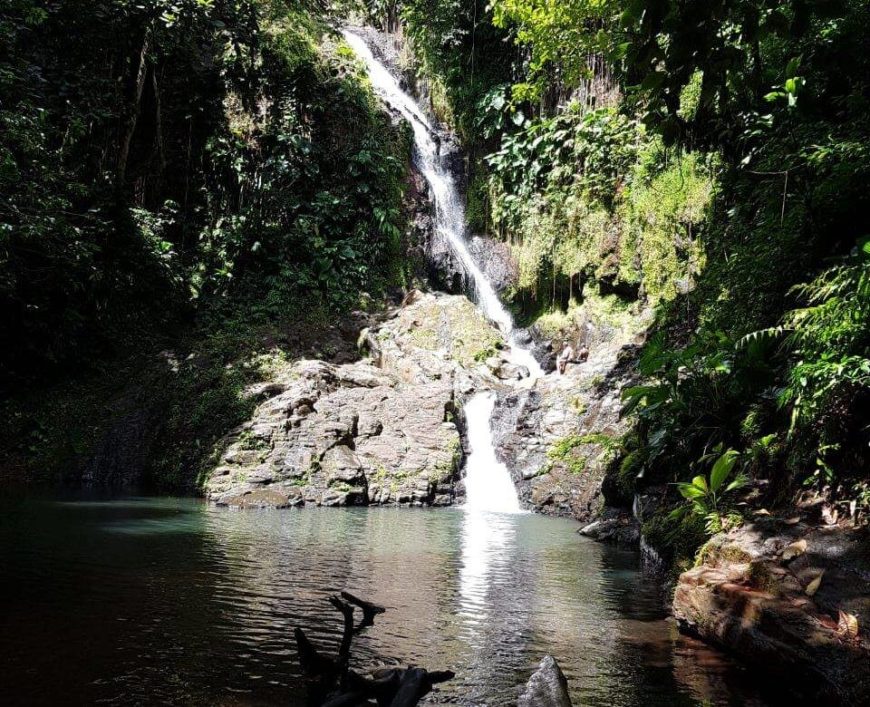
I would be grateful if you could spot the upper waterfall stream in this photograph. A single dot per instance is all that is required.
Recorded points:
(488, 483)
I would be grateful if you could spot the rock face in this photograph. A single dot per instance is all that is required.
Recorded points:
(495, 260)
(757, 592)
(377, 431)
(557, 437)
(443, 269)
(547, 687)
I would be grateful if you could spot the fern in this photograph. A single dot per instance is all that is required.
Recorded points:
(829, 338)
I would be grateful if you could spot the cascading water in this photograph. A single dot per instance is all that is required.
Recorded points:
(492, 490)
(488, 483)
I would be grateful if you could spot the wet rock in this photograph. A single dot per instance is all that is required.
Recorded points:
(547, 687)
(495, 260)
(364, 433)
(543, 350)
(523, 337)
(753, 597)
(505, 370)
(622, 529)
(445, 271)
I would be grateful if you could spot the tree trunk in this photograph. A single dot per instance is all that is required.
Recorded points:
(133, 106)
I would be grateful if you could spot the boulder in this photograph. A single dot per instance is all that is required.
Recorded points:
(622, 529)
(505, 370)
(547, 687)
(368, 432)
(342, 465)
(776, 595)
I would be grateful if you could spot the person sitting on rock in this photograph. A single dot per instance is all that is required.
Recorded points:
(564, 357)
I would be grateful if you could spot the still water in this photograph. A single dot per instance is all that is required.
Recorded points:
(169, 601)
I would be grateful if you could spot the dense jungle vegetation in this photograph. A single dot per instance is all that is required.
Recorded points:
(209, 169)
(709, 160)
(193, 175)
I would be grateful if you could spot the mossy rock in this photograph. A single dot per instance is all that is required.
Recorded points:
(676, 540)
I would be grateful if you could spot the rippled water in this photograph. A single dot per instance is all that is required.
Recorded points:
(170, 601)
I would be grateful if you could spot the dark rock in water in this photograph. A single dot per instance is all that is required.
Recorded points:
(547, 687)
(523, 337)
(615, 526)
(542, 350)
(444, 269)
(505, 370)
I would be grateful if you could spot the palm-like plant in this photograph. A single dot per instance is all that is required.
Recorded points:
(704, 494)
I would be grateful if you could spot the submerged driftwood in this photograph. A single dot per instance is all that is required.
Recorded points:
(333, 684)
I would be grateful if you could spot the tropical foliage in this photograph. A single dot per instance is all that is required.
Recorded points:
(704, 494)
(706, 159)
(210, 149)
(184, 184)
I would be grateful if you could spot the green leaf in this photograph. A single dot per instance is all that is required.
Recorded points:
(737, 483)
(690, 491)
(722, 468)
(701, 483)
(792, 67)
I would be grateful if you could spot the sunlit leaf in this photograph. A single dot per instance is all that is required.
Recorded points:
(813, 586)
(796, 549)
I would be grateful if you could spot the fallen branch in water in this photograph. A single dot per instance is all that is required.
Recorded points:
(333, 684)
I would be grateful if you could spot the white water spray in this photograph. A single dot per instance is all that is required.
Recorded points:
(492, 490)
(449, 208)
(488, 483)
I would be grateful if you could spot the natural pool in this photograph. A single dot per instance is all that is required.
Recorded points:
(143, 600)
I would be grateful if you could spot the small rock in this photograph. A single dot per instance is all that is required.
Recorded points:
(263, 498)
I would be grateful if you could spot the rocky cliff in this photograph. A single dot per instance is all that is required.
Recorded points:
(558, 437)
(379, 431)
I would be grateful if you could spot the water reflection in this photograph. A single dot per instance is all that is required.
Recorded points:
(169, 601)
(487, 547)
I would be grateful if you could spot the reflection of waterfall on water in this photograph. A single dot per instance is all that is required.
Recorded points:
(488, 483)
(490, 524)
(487, 548)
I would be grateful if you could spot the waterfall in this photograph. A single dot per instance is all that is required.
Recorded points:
(488, 483)
(493, 489)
